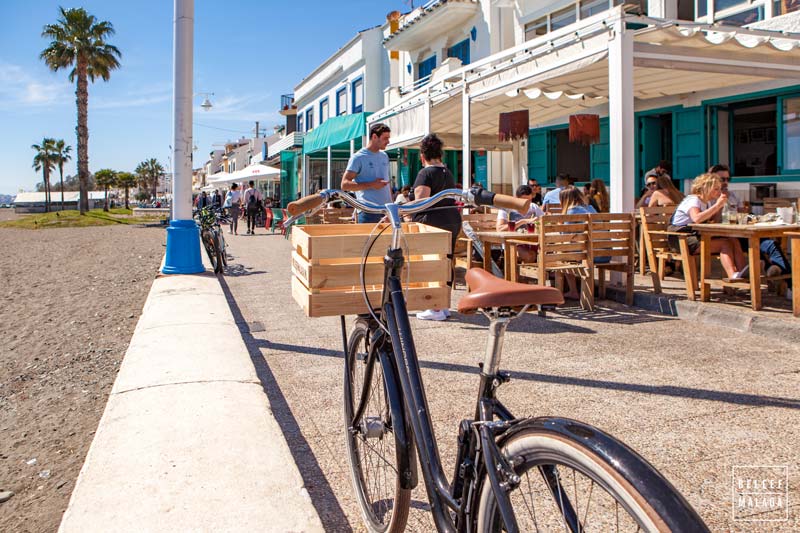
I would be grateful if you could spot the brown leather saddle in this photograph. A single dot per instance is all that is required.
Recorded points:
(487, 291)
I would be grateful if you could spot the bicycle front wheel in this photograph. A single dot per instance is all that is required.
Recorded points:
(222, 251)
(208, 244)
(564, 486)
(371, 445)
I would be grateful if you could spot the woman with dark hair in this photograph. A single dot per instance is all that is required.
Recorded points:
(432, 179)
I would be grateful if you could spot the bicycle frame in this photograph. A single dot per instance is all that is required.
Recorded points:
(477, 452)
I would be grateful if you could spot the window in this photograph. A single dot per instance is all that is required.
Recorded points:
(323, 110)
(300, 123)
(425, 67)
(310, 119)
(461, 51)
(341, 101)
(593, 7)
(562, 18)
(743, 17)
(791, 133)
(535, 28)
(357, 88)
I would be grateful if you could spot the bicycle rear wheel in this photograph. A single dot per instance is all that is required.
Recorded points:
(222, 251)
(371, 441)
(564, 486)
(208, 244)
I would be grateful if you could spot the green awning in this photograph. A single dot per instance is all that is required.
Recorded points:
(336, 132)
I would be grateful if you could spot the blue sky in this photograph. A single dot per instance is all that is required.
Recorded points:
(247, 52)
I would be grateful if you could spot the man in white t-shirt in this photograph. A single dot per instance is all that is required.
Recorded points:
(505, 217)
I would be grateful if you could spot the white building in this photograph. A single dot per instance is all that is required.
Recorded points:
(677, 80)
(343, 90)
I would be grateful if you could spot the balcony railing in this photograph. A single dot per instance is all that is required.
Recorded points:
(287, 101)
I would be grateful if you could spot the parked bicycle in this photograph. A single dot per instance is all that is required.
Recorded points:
(511, 474)
(212, 236)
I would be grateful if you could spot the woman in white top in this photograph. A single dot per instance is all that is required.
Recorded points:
(403, 195)
(233, 200)
(706, 200)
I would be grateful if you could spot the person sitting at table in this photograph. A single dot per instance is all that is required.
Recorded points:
(598, 194)
(665, 193)
(706, 200)
(771, 253)
(510, 220)
(562, 180)
(573, 202)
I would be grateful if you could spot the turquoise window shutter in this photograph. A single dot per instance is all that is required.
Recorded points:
(688, 143)
(288, 176)
(600, 155)
(538, 153)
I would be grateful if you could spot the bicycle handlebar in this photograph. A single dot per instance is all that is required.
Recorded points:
(476, 195)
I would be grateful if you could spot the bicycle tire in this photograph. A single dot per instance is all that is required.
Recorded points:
(208, 244)
(534, 448)
(218, 250)
(386, 512)
(222, 247)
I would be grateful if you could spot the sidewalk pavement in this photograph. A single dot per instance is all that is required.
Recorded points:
(693, 398)
(188, 441)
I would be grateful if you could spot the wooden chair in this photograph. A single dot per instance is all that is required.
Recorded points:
(613, 235)
(565, 247)
(462, 255)
(336, 215)
(655, 221)
(553, 209)
(772, 204)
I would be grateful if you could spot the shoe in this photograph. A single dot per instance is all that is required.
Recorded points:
(743, 273)
(432, 314)
(446, 312)
(773, 270)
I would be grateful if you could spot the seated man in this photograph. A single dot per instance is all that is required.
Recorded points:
(511, 220)
(552, 197)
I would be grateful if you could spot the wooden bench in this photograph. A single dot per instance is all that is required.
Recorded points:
(463, 253)
(771, 205)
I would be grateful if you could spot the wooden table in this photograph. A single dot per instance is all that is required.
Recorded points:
(753, 233)
(488, 238)
(794, 238)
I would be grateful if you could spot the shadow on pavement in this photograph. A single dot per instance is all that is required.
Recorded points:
(319, 489)
(660, 390)
(235, 270)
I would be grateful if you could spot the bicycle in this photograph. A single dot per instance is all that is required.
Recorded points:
(212, 236)
(511, 474)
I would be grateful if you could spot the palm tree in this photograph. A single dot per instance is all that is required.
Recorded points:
(126, 180)
(150, 171)
(62, 156)
(105, 178)
(45, 161)
(78, 40)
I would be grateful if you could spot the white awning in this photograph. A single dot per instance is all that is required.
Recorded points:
(256, 172)
(566, 72)
(219, 177)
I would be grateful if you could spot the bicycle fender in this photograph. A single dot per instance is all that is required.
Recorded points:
(404, 441)
(660, 494)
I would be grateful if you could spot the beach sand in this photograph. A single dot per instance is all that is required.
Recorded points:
(69, 302)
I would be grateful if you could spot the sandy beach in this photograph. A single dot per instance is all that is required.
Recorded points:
(71, 299)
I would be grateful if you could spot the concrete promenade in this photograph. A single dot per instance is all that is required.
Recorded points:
(695, 399)
(188, 441)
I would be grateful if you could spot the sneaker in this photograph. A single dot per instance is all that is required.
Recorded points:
(773, 270)
(432, 314)
(446, 312)
(743, 273)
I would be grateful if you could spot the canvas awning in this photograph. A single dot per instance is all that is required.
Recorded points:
(336, 132)
(256, 172)
(566, 72)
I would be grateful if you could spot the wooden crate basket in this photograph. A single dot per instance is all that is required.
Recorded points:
(326, 262)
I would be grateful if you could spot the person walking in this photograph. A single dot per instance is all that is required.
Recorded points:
(367, 172)
(216, 199)
(254, 203)
(203, 200)
(434, 178)
(233, 201)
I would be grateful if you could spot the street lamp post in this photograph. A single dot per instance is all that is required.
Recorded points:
(183, 235)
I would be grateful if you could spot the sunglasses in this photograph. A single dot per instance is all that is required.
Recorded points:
(651, 183)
